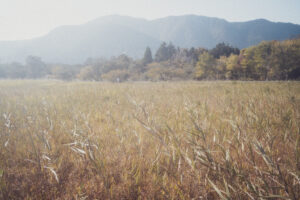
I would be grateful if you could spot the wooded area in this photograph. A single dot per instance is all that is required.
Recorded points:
(272, 60)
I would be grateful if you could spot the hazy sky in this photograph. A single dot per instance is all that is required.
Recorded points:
(21, 19)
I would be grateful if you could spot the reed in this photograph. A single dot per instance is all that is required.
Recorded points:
(165, 140)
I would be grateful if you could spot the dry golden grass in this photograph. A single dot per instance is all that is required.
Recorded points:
(179, 140)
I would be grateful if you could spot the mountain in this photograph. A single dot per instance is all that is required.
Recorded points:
(113, 35)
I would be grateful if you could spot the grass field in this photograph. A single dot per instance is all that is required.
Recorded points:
(177, 140)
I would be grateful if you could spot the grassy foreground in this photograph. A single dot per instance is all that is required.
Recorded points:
(180, 140)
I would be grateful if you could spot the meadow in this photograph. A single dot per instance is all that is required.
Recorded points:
(143, 140)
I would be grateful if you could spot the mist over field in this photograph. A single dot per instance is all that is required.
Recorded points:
(152, 99)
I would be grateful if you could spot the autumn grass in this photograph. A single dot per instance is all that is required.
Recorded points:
(177, 140)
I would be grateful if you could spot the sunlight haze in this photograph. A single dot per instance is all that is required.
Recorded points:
(149, 99)
(33, 18)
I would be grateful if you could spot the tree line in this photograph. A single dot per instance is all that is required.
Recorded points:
(272, 60)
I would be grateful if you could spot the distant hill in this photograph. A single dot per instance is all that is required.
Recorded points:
(113, 35)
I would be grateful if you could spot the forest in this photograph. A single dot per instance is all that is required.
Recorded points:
(269, 60)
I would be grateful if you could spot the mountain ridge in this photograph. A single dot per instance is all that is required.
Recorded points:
(116, 34)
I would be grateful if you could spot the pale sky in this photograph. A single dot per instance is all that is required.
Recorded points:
(25, 19)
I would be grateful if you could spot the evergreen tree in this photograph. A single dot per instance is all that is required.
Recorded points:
(171, 50)
(162, 53)
(223, 49)
(147, 56)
